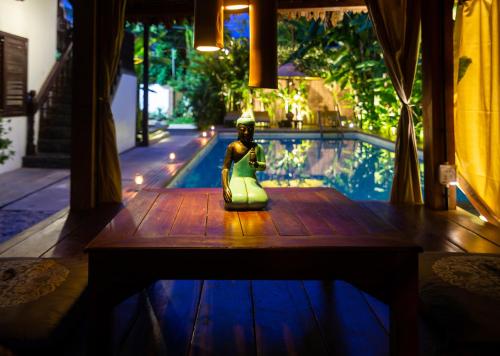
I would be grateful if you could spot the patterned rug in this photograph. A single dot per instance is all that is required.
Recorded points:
(26, 280)
(475, 273)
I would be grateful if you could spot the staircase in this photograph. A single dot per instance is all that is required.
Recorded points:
(53, 104)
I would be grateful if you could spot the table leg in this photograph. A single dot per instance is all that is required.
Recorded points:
(404, 311)
(100, 320)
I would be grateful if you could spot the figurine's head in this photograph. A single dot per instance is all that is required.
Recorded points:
(245, 125)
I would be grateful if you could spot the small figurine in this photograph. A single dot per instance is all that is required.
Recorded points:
(243, 191)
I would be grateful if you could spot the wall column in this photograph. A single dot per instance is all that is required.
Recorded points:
(437, 81)
(83, 120)
(145, 87)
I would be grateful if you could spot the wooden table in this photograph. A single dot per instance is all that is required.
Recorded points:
(306, 233)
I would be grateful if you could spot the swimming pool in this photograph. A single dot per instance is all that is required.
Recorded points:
(358, 169)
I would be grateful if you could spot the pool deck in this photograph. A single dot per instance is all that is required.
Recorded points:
(252, 317)
(31, 195)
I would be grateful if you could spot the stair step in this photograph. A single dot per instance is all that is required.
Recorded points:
(54, 146)
(54, 132)
(55, 123)
(60, 120)
(46, 160)
(64, 96)
(60, 108)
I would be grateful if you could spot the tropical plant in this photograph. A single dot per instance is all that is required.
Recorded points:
(5, 142)
(164, 45)
(349, 55)
(214, 83)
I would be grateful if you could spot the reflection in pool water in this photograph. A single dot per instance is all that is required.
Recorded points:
(358, 169)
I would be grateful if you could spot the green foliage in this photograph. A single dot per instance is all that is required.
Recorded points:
(349, 55)
(5, 142)
(164, 44)
(214, 83)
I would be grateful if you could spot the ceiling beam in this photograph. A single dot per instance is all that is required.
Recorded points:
(159, 10)
(311, 4)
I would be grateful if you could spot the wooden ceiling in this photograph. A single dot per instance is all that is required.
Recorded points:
(169, 11)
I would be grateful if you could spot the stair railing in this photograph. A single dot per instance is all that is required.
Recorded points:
(43, 100)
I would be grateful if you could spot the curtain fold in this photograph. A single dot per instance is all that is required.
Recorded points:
(477, 104)
(397, 26)
(111, 22)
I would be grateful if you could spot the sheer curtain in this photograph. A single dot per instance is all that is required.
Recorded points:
(397, 25)
(477, 104)
(111, 23)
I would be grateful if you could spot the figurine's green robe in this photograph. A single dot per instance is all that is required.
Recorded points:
(246, 191)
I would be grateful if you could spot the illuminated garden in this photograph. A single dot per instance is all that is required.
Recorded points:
(326, 65)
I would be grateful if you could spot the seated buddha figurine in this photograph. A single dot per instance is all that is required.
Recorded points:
(243, 191)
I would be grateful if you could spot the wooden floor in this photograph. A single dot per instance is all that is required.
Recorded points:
(262, 317)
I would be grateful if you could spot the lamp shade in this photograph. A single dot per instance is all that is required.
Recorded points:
(235, 4)
(263, 44)
(208, 25)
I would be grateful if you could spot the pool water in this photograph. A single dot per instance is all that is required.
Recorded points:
(356, 168)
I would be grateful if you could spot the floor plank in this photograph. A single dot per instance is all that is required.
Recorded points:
(379, 309)
(473, 223)
(347, 323)
(224, 325)
(284, 320)
(27, 181)
(144, 336)
(175, 304)
(92, 223)
(41, 241)
(412, 229)
(457, 234)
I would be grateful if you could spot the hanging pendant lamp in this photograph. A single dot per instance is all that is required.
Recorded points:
(233, 5)
(263, 44)
(208, 25)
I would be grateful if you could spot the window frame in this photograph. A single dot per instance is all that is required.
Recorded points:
(7, 42)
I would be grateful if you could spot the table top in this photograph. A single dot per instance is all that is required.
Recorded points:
(296, 218)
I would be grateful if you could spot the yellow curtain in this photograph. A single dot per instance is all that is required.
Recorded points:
(477, 104)
(397, 25)
(111, 23)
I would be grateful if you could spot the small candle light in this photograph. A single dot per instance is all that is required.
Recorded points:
(138, 179)
(204, 134)
(212, 127)
(171, 156)
(351, 125)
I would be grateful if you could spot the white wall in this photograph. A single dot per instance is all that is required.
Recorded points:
(37, 21)
(124, 111)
